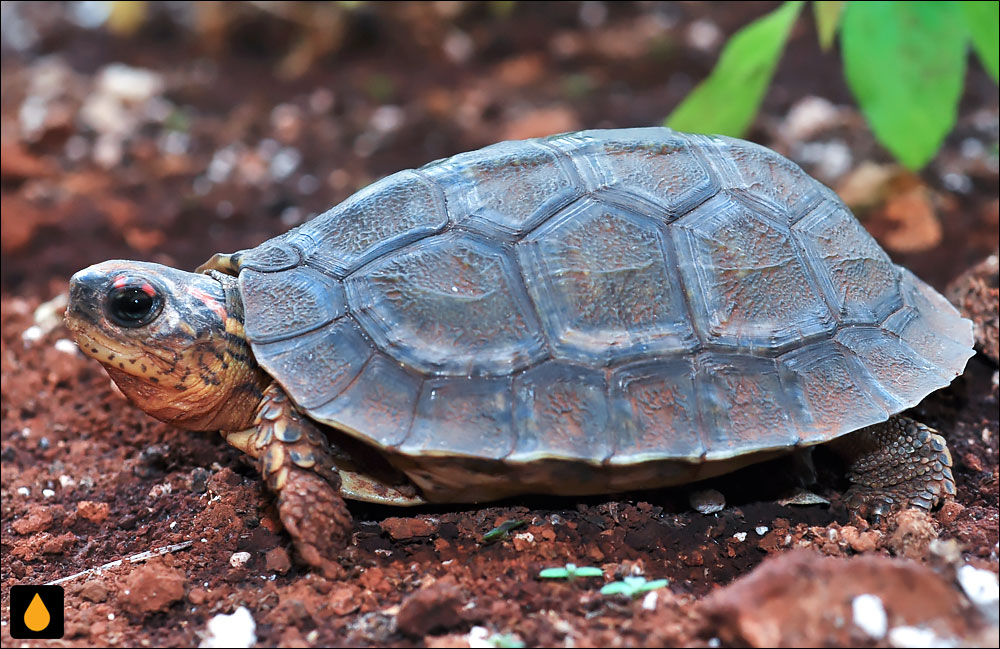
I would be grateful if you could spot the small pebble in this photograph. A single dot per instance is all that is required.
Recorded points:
(23, 491)
(740, 536)
(48, 493)
(478, 637)
(869, 616)
(239, 559)
(982, 589)
(809, 116)
(649, 601)
(761, 530)
(707, 501)
(66, 346)
(703, 35)
(236, 630)
(31, 334)
(906, 637)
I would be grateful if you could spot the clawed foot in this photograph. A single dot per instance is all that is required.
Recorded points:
(901, 463)
(317, 520)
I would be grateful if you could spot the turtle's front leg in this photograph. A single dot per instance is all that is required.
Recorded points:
(895, 464)
(297, 462)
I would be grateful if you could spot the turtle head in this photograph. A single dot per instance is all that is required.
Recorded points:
(172, 341)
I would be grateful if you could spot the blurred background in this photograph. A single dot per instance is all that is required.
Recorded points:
(167, 131)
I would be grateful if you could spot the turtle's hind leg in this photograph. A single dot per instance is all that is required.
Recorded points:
(296, 460)
(895, 464)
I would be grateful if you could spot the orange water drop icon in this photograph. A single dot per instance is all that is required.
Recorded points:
(36, 617)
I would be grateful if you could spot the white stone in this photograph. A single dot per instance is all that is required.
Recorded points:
(907, 637)
(982, 589)
(869, 615)
(703, 35)
(478, 637)
(31, 334)
(707, 501)
(128, 83)
(649, 601)
(237, 630)
(66, 346)
(458, 46)
(239, 559)
(809, 116)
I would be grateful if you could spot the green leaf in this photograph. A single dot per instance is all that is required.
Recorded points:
(827, 13)
(905, 64)
(633, 586)
(727, 101)
(571, 571)
(503, 530)
(983, 20)
(589, 571)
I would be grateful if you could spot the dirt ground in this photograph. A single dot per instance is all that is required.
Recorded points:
(228, 127)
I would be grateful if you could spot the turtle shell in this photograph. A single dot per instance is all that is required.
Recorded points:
(594, 311)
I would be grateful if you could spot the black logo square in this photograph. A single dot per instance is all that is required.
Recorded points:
(36, 612)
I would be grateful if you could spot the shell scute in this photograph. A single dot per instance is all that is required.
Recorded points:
(749, 286)
(600, 279)
(382, 217)
(653, 170)
(451, 305)
(478, 186)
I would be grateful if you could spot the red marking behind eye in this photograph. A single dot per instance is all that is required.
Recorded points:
(210, 302)
(148, 289)
(120, 281)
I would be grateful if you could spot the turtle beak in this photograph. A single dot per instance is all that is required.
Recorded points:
(84, 300)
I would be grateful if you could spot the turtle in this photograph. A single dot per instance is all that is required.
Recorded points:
(587, 313)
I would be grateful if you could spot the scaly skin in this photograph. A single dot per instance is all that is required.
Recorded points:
(295, 458)
(896, 464)
(192, 367)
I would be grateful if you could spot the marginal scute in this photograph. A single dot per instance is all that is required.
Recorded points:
(600, 279)
(831, 391)
(316, 367)
(941, 316)
(270, 256)
(382, 217)
(916, 330)
(760, 176)
(561, 411)
(659, 412)
(854, 272)
(288, 303)
(465, 417)
(451, 305)
(652, 170)
(903, 375)
(744, 406)
(478, 186)
(378, 404)
(749, 288)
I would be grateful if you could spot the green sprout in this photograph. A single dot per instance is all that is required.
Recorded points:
(503, 530)
(571, 571)
(632, 587)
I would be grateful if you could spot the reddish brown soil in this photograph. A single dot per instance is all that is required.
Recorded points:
(88, 479)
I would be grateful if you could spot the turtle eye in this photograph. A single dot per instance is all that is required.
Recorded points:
(133, 303)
